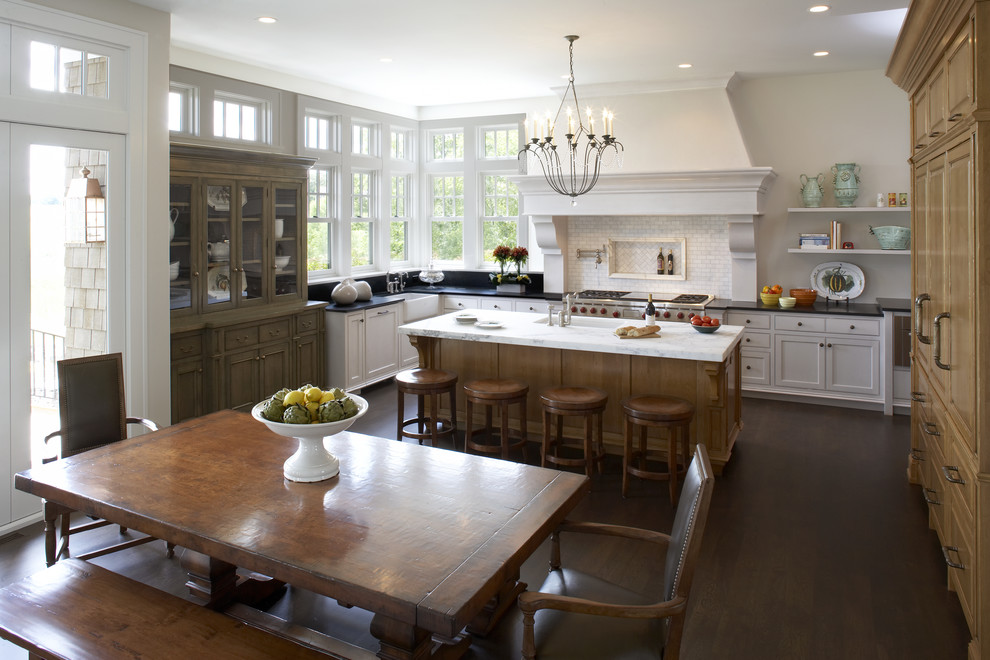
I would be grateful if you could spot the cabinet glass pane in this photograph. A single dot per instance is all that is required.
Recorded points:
(251, 274)
(217, 247)
(180, 246)
(287, 232)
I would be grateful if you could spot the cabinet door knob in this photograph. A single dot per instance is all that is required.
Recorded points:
(747, 340)
(852, 327)
(829, 345)
(820, 345)
(800, 324)
(748, 367)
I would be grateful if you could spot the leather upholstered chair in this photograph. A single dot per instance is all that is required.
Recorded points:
(91, 412)
(627, 624)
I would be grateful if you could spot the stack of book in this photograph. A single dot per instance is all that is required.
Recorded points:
(836, 234)
(814, 241)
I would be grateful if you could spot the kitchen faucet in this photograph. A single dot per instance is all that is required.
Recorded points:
(391, 286)
(567, 309)
(401, 276)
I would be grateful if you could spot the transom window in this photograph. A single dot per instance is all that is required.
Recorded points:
(183, 103)
(321, 213)
(401, 147)
(321, 132)
(448, 145)
(55, 68)
(500, 142)
(364, 138)
(239, 118)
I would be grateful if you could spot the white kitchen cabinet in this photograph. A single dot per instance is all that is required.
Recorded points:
(827, 354)
(755, 357)
(498, 304)
(457, 303)
(362, 347)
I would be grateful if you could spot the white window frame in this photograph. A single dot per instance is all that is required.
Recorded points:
(368, 134)
(482, 197)
(406, 218)
(188, 108)
(483, 132)
(262, 117)
(372, 219)
(407, 138)
(449, 218)
(331, 219)
(445, 157)
(328, 123)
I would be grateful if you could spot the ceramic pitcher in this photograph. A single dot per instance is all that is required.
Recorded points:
(845, 182)
(173, 215)
(811, 190)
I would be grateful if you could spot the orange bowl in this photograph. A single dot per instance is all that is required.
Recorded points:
(804, 296)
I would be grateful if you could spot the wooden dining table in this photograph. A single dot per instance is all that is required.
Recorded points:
(429, 540)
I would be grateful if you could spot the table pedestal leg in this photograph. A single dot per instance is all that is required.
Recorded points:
(402, 641)
(217, 583)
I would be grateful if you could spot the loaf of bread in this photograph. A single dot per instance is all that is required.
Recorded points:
(643, 331)
(624, 330)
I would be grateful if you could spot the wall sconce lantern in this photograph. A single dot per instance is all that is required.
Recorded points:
(96, 210)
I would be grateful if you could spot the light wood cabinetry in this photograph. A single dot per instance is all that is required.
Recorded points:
(362, 346)
(950, 370)
(241, 325)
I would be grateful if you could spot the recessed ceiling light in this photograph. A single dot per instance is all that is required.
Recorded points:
(820, 53)
(684, 66)
(385, 60)
(817, 9)
(266, 19)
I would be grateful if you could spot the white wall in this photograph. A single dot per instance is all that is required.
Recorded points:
(804, 125)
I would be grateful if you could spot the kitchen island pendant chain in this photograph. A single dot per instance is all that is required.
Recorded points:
(570, 182)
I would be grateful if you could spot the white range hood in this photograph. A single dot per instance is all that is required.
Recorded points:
(737, 195)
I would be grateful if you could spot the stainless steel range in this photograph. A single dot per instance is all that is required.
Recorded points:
(631, 304)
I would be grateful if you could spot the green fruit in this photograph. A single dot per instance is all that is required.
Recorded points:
(273, 410)
(295, 415)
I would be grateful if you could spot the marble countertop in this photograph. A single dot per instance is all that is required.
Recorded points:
(676, 340)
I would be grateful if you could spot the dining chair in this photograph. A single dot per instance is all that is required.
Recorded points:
(650, 625)
(91, 412)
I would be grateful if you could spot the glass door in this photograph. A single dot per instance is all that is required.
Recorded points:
(66, 242)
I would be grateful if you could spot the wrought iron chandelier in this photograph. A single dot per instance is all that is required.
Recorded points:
(584, 168)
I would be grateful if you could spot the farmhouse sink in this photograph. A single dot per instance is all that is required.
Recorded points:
(416, 306)
(582, 321)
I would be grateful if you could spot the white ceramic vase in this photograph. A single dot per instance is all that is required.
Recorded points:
(363, 290)
(344, 293)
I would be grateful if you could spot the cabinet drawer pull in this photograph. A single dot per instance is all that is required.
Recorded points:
(928, 500)
(748, 367)
(852, 327)
(954, 116)
(930, 429)
(747, 340)
(186, 349)
(748, 321)
(937, 340)
(383, 313)
(918, 396)
(918, 302)
(946, 549)
(946, 469)
(919, 146)
(800, 324)
(274, 333)
(934, 134)
(914, 453)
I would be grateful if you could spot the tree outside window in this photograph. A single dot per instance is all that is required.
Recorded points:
(448, 218)
(362, 227)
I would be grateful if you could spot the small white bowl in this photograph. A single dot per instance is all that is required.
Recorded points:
(787, 302)
(282, 262)
(173, 270)
(466, 319)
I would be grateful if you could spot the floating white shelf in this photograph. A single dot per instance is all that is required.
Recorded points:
(852, 209)
(854, 251)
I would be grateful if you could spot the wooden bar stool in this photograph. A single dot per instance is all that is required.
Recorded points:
(667, 412)
(586, 402)
(501, 392)
(431, 383)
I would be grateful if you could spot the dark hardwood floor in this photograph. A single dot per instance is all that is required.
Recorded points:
(816, 548)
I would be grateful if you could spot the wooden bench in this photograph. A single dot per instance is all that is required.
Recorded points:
(77, 610)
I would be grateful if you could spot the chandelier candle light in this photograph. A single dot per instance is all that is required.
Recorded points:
(570, 182)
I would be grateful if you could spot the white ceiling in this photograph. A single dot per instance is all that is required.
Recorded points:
(447, 52)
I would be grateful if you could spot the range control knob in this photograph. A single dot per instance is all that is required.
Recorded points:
(666, 315)
(604, 311)
(584, 310)
(691, 316)
(615, 314)
(574, 308)
(680, 315)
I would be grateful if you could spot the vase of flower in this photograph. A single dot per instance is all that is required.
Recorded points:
(510, 282)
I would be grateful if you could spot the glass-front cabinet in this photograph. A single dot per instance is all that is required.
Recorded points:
(237, 240)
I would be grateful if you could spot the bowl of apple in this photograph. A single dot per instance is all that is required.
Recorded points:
(705, 324)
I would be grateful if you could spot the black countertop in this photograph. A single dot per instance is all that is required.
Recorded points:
(381, 299)
(820, 307)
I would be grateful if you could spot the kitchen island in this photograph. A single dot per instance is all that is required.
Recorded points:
(702, 368)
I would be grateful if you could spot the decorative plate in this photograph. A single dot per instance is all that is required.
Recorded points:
(838, 280)
(488, 325)
(218, 281)
(219, 197)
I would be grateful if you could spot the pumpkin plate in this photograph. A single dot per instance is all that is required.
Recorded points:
(838, 280)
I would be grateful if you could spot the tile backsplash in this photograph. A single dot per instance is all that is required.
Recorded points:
(707, 267)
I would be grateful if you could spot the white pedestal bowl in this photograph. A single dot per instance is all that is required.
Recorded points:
(311, 462)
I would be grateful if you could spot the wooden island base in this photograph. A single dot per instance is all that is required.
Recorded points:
(713, 387)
